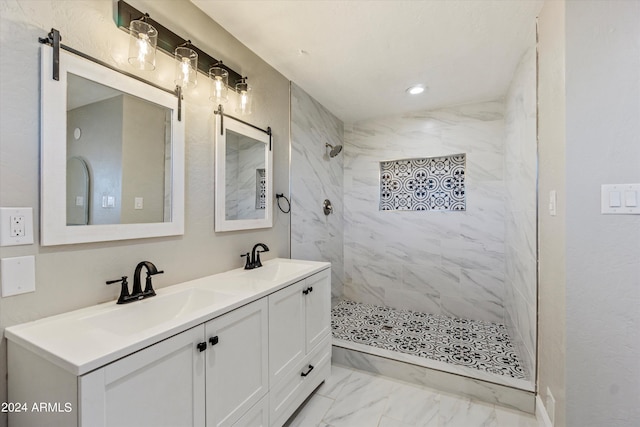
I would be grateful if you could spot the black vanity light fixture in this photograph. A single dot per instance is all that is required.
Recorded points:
(173, 45)
(142, 44)
(219, 78)
(145, 36)
(186, 66)
(245, 91)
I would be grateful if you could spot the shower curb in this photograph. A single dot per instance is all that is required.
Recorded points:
(485, 391)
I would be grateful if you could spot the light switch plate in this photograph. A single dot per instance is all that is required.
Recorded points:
(553, 202)
(16, 226)
(620, 199)
(138, 203)
(18, 275)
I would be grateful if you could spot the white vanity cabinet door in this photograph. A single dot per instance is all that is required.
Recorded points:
(162, 385)
(317, 303)
(237, 363)
(286, 331)
(299, 343)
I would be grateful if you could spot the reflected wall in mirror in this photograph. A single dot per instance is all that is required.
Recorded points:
(113, 148)
(244, 160)
(123, 140)
(243, 177)
(77, 192)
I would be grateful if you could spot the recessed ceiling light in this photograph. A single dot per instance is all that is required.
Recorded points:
(415, 90)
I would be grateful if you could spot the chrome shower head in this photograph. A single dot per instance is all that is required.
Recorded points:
(334, 150)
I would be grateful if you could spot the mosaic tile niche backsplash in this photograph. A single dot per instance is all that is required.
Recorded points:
(426, 184)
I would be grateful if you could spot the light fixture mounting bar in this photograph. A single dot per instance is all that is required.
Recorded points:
(220, 112)
(168, 41)
(53, 39)
(57, 45)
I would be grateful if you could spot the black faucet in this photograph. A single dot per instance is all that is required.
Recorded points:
(137, 293)
(253, 261)
(151, 271)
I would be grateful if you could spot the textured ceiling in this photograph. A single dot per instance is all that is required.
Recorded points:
(358, 57)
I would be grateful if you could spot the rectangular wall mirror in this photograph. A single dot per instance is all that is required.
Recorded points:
(112, 162)
(243, 176)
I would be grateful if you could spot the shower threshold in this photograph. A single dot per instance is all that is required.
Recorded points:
(470, 348)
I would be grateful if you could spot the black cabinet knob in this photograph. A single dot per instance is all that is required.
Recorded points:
(202, 346)
(213, 340)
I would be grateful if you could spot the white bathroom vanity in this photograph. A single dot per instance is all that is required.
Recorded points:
(241, 348)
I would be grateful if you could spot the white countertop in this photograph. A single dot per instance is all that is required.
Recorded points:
(83, 340)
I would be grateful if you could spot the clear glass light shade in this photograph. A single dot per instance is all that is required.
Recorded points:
(245, 93)
(219, 80)
(143, 39)
(186, 67)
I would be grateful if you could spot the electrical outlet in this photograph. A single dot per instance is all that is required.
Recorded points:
(550, 406)
(16, 226)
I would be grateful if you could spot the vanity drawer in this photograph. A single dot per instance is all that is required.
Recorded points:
(293, 389)
(257, 416)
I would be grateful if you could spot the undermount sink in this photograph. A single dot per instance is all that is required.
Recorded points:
(148, 313)
(276, 271)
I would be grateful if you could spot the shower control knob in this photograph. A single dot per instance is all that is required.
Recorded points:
(327, 208)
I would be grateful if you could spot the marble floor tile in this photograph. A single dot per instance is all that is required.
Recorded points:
(462, 412)
(334, 384)
(510, 418)
(364, 400)
(390, 422)
(413, 406)
(312, 413)
(361, 401)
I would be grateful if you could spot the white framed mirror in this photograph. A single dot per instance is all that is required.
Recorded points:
(116, 142)
(244, 176)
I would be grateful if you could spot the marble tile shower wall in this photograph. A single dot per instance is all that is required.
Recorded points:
(315, 177)
(520, 225)
(449, 263)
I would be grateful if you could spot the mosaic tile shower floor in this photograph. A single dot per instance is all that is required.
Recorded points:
(471, 343)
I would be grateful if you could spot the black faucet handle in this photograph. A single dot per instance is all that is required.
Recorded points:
(247, 265)
(148, 287)
(124, 291)
(123, 279)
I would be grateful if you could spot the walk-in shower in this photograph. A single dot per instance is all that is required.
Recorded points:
(418, 290)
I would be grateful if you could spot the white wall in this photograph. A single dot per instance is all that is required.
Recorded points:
(143, 160)
(602, 251)
(315, 177)
(100, 144)
(442, 262)
(520, 206)
(551, 229)
(70, 277)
